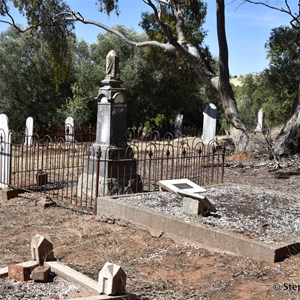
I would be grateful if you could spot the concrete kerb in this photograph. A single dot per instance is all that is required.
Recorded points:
(197, 233)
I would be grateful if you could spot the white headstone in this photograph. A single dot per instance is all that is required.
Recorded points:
(209, 123)
(4, 152)
(177, 125)
(69, 129)
(260, 121)
(28, 132)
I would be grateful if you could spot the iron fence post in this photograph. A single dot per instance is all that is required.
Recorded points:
(223, 161)
(98, 156)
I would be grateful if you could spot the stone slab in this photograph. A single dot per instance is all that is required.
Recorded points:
(198, 233)
(183, 184)
(72, 275)
(7, 194)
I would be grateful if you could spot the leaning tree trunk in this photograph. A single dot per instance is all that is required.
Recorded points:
(231, 113)
(288, 140)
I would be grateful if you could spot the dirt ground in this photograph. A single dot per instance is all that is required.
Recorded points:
(157, 267)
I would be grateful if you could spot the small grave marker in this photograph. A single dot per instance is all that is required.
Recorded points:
(178, 125)
(69, 130)
(41, 249)
(111, 280)
(209, 123)
(28, 132)
(194, 203)
(4, 152)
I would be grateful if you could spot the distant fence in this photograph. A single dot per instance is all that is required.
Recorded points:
(68, 172)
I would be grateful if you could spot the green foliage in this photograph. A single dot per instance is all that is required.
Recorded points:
(77, 106)
(27, 85)
(45, 20)
(159, 122)
(193, 13)
(275, 89)
(156, 83)
(108, 6)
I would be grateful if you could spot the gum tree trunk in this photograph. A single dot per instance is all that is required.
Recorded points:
(288, 140)
(238, 130)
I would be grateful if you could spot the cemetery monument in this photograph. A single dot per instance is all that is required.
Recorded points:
(111, 157)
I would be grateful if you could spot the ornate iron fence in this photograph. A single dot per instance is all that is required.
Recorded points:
(75, 174)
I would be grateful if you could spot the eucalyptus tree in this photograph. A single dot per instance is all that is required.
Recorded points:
(276, 88)
(177, 26)
(177, 21)
(284, 49)
(44, 20)
(27, 84)
(156, 84)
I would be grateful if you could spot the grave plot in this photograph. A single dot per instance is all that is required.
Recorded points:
(44, 267)
(252, 212)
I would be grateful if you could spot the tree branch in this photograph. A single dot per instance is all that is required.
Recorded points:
(167, 30)
(12, 22)
(77, 17)
(179, 23)
(295, 22)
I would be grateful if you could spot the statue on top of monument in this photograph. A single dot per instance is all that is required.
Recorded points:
(112, 65)
(111, 84)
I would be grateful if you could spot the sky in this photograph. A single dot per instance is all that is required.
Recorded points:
(248, 28)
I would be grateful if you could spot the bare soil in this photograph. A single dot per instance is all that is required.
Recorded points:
(157, 267)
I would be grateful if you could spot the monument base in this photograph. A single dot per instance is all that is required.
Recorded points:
(109, 177)
(87, 186)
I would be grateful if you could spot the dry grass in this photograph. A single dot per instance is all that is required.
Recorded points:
(157, 268)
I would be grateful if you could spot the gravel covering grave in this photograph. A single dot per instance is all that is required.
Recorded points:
(255, 212)
(58, 289)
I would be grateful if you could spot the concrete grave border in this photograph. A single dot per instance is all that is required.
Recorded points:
(86, 282)
(197, 233)
(39, 268)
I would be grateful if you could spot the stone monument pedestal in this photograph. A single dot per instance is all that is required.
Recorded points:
(115, 170)
(111, 168)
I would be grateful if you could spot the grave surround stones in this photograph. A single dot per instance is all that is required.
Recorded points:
(22, 271)
(112, 280)
(41, 274)
(111, 283)
(41, 249)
